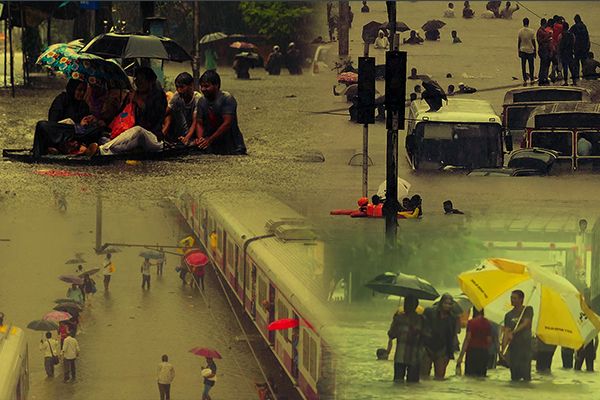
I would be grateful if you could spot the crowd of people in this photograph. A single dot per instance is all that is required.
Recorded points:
(493, 9)
(561, 49)
(430, 338)
(91, 120)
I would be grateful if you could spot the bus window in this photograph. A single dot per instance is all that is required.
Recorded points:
(561, 142)
(516, 117)
(547, 95)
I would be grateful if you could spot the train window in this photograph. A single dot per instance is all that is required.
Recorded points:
(309, 354)
(282, 313)
(313, 359)
(262, 291)
(229, 255)
(305, 350)
(220, 239)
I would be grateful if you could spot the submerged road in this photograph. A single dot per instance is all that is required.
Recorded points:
(126, 330)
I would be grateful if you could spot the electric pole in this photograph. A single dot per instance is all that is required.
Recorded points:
(344, 29)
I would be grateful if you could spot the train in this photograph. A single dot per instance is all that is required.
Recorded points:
(14, 367)
(273, 262)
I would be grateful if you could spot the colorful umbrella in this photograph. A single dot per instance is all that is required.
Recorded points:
(57, 316)
(71, 279)
(347, 78)
(205, 352)
(285, 323)
(561, 316)
(42, 325)
(196, 258)
(242, 45)
(59, 53)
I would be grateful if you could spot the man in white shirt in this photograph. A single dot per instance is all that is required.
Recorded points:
(527, 49)
(145, 270)
(166, 374)
(508, 11)
(70, 352)
(449, 13)
(49, 347)
(107, 270)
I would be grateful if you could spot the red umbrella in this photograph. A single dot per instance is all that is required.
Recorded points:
(71, 279)
(57, 316)
(285, 323)
(242, 45)
(196, 258)
(205, 352)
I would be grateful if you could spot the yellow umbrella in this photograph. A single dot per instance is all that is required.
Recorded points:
(561, 316)
(185, 244)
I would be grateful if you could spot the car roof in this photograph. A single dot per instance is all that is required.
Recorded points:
(456, 110)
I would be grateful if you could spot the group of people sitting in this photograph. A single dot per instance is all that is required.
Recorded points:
(93, 120)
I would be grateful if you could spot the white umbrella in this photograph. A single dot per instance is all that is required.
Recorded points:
(212, 37)
(403, 188)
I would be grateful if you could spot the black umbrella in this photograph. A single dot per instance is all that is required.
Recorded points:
(403, 285)
(71, 279)
(400, 26)
(42, 325)
(72, 309)
(65, 300)
(370, 31)
(117, 45)
(153, 255)
(89, 272)
(433, 24)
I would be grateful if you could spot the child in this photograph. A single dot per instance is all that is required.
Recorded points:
(455, 38)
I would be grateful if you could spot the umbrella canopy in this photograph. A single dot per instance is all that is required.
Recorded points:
(153, 255)
(89, 272)
(347, 78)
(57, 316)
(282, 324)
(433, 25)
(205, 352)
(403, 188)
(403, 285)
(400, 26)
(70, 308)
(42, 325)
(560, 314)
(196, 258)
(370, 31)
(212, 37)
(52, 56)
(71, 279)
(65, 300)
(247, 54)
(243, 45)
(117, 45)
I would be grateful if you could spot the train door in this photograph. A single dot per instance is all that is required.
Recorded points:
(271, 317)
(253, 290)
(238, 263)
(295, 350)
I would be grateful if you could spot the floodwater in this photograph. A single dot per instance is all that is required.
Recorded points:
(125, 331)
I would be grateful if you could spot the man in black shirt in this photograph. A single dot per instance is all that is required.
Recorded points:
(517, 337)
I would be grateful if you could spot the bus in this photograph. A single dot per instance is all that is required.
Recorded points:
(463, 133)
(14, 367)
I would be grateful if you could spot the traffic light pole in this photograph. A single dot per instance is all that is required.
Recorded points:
(365, 151)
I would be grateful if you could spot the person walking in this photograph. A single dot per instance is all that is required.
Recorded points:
(198, 274)
(160, 264)
(440, 330)
(582, 45)
(566, 51)
(107, 270)
(210, 377)
(74, 293)
(476, 345)
(166, 374)
(274, 61)
(145, 270)
(526, 47)
(588, 354)
(407, 329)
(516, 340)
(544, 42)
(70, 352)
(49, 347)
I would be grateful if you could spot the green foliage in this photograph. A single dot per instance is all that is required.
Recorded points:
(281, 21)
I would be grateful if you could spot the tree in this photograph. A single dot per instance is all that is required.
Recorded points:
(281, 21)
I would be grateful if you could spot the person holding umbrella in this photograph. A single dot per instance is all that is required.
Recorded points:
(516, 339)
(210, 377)
(407, 329)
(74, 293)
(440, 330)
(242, 65)
(49, 347)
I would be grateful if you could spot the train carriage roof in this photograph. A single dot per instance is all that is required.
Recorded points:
(291, 264)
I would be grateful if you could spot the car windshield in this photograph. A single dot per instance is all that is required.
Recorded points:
(465, 145)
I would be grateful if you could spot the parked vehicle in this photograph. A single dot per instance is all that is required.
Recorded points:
(14, 367)
(571, 129)
(273, 264)
(463, 133)
(519, 103)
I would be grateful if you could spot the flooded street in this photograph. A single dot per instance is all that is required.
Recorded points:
(125, 331)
